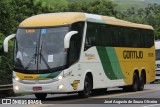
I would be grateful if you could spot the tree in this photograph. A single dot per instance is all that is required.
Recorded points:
(102, 7)
(6, 17)
(26, 8)
(149, 15)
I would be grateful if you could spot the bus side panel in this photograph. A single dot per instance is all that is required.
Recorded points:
(139, 59)
(112, 67)
(103, 70)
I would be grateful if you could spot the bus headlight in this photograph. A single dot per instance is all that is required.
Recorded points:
(17, 79)
(16, 88)
(60, 86)
(60, 77)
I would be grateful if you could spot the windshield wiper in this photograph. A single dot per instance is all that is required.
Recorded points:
(32, 59)
(42, 57)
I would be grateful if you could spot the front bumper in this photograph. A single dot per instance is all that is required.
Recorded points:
(46, 88)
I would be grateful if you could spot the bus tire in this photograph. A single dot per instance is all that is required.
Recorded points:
(41, 96)
(87, 88)
(141, 82)
(135, 84)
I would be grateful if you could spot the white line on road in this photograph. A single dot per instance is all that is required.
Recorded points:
(41, 105)
(151, 105)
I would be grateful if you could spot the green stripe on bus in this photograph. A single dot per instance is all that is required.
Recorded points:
(50, 75)
(106, 63)
(110, 63)
(115, 63)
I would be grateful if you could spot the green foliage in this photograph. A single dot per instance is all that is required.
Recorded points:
(153, 1)
(56, 5)
(6, 17)
(126, 4)
(122, 4)
(149, 15)
(6, 63)
(26, 8)
(102, 7)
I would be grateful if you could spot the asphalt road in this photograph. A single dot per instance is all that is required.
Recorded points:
(112, 98)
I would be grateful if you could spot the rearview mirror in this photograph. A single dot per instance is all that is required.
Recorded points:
(5, 43)
(68, 37)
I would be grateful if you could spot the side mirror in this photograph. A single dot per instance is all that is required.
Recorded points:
(5, 43)
(68, 37)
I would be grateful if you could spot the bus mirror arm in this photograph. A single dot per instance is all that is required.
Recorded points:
(5, 43)
(68, 37)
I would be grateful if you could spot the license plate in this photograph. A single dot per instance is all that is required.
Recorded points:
(37, 88)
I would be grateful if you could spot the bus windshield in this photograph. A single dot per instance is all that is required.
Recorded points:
(40, 49)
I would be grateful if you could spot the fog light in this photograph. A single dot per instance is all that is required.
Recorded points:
(17, 79)
(60, 86)
(60, 77)
(16, 88)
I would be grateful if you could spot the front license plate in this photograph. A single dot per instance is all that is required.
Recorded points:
(37, 88)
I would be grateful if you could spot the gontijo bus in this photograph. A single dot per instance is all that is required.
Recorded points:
(80, 52)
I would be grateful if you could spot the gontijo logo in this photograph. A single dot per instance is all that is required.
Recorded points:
(132, 54)
(75, 84)
(90, 56)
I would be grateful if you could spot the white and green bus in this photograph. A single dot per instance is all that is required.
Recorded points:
(78, 52)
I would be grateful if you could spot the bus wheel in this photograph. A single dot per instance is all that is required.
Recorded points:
(141, 82)
(41, 96)
(134, 86)
(87, 88)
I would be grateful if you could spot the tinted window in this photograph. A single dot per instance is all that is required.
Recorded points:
(117, 36)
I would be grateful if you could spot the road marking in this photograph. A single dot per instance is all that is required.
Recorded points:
(123, 94)
(45, 105)
(40, 105)
(151, 105)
